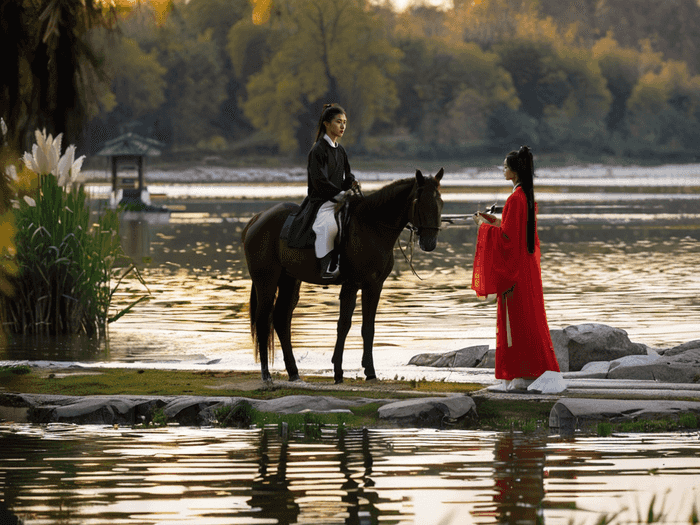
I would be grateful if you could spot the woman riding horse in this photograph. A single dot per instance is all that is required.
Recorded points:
(328, 176)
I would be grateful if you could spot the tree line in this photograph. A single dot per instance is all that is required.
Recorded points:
(597, 78)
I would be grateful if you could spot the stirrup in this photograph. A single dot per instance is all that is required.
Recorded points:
(327, 262)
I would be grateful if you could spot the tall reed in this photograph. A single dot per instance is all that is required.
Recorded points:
(68, 267)
(66, 264)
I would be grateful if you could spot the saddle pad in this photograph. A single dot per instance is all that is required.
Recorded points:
(284, 234)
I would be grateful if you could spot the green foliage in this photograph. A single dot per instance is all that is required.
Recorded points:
(449, 93)
(346, 58)
(688, 420)
(137, 78)
(18, 370)
(240, 415)
(685, 421)
(51, 69)
(665, 107)
(159, 418)
(604, 429)
(471, 80)
(66, 264)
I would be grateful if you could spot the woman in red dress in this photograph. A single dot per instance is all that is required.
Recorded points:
(507, 263)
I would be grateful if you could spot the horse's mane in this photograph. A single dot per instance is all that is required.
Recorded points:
(378, 198)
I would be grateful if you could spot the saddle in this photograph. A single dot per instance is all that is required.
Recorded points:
(342, 217)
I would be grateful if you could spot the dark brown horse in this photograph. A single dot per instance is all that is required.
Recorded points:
(366, 260)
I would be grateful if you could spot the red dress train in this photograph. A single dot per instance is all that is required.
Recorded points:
(503, 266)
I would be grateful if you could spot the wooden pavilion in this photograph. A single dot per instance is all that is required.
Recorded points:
(129, 149)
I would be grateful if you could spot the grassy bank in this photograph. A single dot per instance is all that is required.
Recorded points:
(493, 414)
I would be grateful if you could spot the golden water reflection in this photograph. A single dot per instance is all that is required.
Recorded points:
(90, 474)
(638, 278)
(638, 275)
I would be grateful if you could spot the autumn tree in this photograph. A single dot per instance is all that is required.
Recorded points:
(311, 52)
(622, 68)
(673, 28)
(664, 109)
(559, 85)
(218, 17)
(450, 92)
(188, 65)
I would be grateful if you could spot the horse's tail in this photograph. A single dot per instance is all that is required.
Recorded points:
(252, 312)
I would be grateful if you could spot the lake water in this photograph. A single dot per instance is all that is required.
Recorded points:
(94, 475)
(619, 246)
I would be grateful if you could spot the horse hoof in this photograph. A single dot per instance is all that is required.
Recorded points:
(338, 380)
(295, 379)
(372, 380)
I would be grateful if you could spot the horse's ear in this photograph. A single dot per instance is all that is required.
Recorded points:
(420, 178)
(439, 175)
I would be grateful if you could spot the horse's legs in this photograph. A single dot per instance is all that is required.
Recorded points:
(370, 302)
(287, 299)
(348, 300)
(263, 325)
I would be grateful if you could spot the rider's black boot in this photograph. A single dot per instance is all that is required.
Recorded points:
(329, 266)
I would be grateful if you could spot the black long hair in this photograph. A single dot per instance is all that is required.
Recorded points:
(329, 112)
(521, 162)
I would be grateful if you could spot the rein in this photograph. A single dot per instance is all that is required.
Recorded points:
(411, 243)
(411, 227)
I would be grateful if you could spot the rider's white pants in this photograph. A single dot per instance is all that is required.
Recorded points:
(325, 229)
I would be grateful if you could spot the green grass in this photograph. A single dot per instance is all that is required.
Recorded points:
(685, 421)
(108, 381)
(513, 415)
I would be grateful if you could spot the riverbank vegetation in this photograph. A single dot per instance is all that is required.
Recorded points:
(65, 262)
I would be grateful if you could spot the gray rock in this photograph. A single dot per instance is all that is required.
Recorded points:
(433, 412)
(592, 370)
(469, 357)
(680, 349)
(489, 360)
(633, 360)
(301, 403)
(130, 410)
(597, 342)
(561, 350)
(569, 415)
(678, 368)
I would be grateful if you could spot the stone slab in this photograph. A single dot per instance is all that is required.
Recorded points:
(571, 414)
(433, 412)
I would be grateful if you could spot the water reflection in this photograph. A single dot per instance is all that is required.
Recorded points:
(638, 275)
(271, 497)
(519, 479)
(69, 474)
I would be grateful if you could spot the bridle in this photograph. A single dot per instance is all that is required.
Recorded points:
(414, 227)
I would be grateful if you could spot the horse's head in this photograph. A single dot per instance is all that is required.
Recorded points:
(426, 210)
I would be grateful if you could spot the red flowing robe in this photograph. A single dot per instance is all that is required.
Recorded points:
(503, 266)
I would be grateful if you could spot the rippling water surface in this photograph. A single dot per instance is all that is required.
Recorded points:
(59, 474)
(612, 252)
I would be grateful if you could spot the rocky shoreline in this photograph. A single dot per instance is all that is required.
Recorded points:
(593, 351)
(607, 378)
